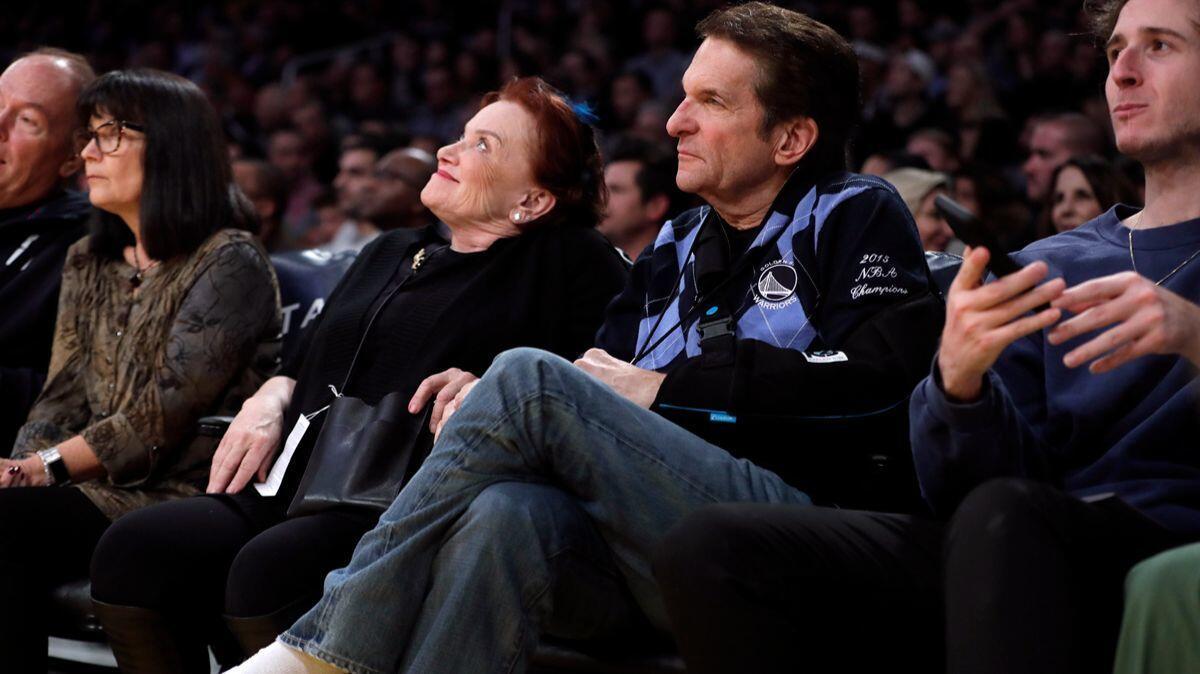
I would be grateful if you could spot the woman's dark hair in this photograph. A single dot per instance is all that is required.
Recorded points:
(187, 189)
(1108, 184)
(566, 158)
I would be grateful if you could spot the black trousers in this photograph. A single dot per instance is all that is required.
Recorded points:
(47, 535)
(197, 559)
(1025, 578)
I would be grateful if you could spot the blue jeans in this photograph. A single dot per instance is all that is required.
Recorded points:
(538, 510)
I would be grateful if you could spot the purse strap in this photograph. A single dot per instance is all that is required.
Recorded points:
(418, 261)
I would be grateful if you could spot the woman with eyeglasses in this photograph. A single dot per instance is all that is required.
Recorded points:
(168, 311)
(516, 262)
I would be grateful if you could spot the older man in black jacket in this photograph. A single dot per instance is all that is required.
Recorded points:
(39, 217)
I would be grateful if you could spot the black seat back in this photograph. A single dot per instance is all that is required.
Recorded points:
(943, 267)
(306, 277)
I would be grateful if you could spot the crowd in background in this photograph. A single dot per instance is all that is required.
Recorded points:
(959, 88)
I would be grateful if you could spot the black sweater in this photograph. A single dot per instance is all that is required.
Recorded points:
(546, 288)
(33, 244)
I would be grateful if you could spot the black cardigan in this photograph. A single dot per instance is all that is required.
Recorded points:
(546, 288)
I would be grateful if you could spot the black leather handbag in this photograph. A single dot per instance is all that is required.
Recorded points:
(364, 453)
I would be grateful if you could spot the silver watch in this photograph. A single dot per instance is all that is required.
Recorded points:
(56, 470)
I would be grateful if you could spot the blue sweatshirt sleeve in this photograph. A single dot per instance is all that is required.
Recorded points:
(958, 446)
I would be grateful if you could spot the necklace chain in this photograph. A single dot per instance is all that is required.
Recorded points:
(138, 272)
(1171, 273)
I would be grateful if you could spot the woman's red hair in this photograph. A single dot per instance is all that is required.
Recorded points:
(566, 159)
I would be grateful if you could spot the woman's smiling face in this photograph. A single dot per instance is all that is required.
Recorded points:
(484, 175)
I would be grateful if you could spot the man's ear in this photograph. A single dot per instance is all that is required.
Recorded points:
(797, 138)
(656, 208)
(536, 203)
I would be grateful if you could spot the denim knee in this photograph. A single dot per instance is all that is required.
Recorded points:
(507, 510)
(525, 359)
(512, 522)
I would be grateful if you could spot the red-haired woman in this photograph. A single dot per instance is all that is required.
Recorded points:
(516, 262)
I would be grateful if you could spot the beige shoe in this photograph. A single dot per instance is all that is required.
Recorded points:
(280, 659)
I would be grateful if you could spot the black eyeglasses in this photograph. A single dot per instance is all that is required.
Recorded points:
(108, 135)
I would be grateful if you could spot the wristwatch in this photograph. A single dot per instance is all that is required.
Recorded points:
(56, 470)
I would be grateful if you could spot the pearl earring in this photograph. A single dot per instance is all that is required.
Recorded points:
(516, 216)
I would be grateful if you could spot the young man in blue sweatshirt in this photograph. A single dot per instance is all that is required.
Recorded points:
(1061, 442)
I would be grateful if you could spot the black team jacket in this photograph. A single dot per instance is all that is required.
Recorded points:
(33, 244)
(798, 349)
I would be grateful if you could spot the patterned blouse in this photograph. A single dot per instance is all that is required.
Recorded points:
(133, 368)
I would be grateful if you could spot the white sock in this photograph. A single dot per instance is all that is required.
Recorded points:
(279, 658)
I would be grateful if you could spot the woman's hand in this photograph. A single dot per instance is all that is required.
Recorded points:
(248, 447)
(27, 472)
(445, 388)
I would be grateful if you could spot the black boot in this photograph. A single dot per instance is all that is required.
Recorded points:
(256, 633)
(145, 641)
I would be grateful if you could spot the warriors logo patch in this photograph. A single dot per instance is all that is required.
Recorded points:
(776, 285)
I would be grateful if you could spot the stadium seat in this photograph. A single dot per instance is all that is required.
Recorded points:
(943, 267)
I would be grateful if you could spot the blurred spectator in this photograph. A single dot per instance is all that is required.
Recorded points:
(879, 164)
(579, 76)
(1084, 187)
(904, 105)
(406, 63)
(312, 123)
(661, 62)
(1053, 140)
(872, 70)
(1003, 210)
(651, 122)
(356, 168)
(327, 220)
(640, 177)
(287, 153)
(391, 198)
(937, 148)
(368, 95)
(440, 116)
(263, 185)
(984, 132)
(270, 108)
(629, 92)
(919, 189)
